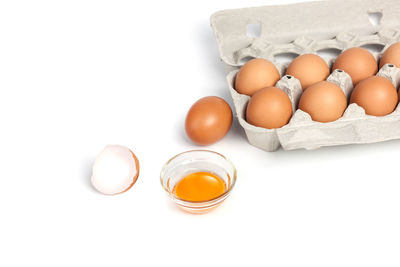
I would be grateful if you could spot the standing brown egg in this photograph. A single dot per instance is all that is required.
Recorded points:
(391, 56)
(269, 108)
(208, 120)
(358, 62)
(308, 69)
(323, 101)
(376, 95)
(255, 75)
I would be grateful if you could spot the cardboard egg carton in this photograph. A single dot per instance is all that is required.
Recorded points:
(321, 28)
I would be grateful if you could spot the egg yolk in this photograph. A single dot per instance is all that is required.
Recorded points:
(200, 186)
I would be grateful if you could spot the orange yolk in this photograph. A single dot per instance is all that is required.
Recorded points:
(200, 186)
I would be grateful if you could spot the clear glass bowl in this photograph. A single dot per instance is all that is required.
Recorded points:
(192, 161)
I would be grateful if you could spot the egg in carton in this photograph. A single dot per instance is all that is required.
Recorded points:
(313, 27)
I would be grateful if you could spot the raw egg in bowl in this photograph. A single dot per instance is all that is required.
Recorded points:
(198, 180)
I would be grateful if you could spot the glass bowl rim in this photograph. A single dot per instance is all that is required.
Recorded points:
(209, 201)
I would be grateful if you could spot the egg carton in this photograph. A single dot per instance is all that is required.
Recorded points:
(323, 28)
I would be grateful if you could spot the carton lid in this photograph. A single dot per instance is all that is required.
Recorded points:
(298, 28)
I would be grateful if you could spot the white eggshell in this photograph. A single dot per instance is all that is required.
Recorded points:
(115, 170)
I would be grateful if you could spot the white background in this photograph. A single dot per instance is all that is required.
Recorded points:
(78, 75)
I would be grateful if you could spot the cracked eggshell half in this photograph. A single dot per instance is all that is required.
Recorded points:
(115, 170)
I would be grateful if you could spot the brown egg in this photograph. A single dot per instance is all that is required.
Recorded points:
(358, 62)
(308, 69)
(391, 56)
(208, 120)
(269, 108)
(324, 101)
(255, 75)
(376, 95)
